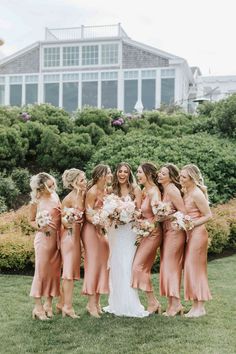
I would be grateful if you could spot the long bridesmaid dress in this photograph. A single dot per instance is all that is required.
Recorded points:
(46, 281)
(71, 251)
(96, 253)
(172, 258)
(195, 265)
(146, 252)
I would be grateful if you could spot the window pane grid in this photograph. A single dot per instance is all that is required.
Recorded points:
(70, 56)
(131, 74)
(90, 55)
(31, 79)
(148, 74)
(110, 75)
(89, 76)
(51, 56)
(15, 79)
(109, 53)
(51, 78)
(2, 80)
(168, 73)
(70, 77)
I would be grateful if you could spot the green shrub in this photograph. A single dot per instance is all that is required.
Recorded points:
(21, 177)
(90, 115)
(8, 191)
(225, 115)
(3, 205)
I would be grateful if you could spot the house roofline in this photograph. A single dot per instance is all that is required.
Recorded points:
(18, 53)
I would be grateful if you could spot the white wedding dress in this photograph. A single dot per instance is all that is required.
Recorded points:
(123, 299)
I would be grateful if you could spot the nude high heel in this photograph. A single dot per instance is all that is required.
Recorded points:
(58, 308)
(39, 314)
(169, 313)
(48, 311)
(70, 313)
(93, 313)
(154, 309)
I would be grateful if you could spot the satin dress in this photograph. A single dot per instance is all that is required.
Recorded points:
(195, 265)
(46, 281)
(172, 258)
(146, 252)
(71, 251)
(96, 254)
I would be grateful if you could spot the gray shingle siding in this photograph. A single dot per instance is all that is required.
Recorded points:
(25, 63)
(134, 57)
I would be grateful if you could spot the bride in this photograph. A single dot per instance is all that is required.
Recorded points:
(123, 299)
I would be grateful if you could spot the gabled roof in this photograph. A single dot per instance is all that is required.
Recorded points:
(150, 49)
(18, 53)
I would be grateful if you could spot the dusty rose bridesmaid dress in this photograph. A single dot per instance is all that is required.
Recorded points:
(195, 265)
(172, 258)
(46, 281)
(96, 253)
(71, 252)
(146, 252)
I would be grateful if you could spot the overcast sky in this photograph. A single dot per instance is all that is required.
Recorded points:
(201, 31)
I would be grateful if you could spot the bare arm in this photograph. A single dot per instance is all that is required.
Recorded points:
(202, 204)
(138, 197)
(90, 202)
(177, 200)
(32, 215)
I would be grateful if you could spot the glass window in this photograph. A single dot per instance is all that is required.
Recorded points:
(70, 96)
(168, 91)
(109, 94)
(109, 53)
(31, 93)
(52, 56)
(15, 79)
(109, 75)
(70, 56)
(51, 78)
(148, 74)
(90, 55)
(15, 95)
(31, 79)
(131, 74)
(51, 94)
(130, 95)
(89, 76)
(149, 94)
(168, 73)
(90, 93)
(70, 77)
(2, 95)
(2, 80)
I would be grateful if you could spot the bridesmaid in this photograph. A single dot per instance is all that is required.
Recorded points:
(195, 266)
(75, 180)
(172, 249)
(146, 252)
(95, 242)
(46, 281)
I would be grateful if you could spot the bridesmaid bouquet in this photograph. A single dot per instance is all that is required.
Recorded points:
(162, 209)
(43, 219)
(71, 215)
(143, 228)
(182, 222)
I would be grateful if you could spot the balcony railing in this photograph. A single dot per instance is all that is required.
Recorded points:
(84, 32)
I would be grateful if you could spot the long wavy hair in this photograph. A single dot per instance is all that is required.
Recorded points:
(196, 176)
(131, 180)
(151, 172)
(98, 172)
(174, 175)
(38, 185)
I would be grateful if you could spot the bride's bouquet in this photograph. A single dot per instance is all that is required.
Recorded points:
(43, 219)
(182, 222)
(115, 211)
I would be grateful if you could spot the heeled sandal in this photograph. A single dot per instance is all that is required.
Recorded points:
(41, 315)
(70, 313)
(48, 311)
(155, 310)
(58, 308)
(179, 311)
(93, 313)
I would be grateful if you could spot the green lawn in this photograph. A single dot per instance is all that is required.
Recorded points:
(214, 333)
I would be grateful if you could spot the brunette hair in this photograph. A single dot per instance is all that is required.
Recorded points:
(131, 180)
(98, 172)
(150, 170)
(173, 174)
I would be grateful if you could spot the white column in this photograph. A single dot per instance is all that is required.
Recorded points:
(60, 92)
(99, 98)
(23, 91)
(7, 91)
(40, 89)
(120, 91)
(158, 89)
(139, 86)
(80, 92)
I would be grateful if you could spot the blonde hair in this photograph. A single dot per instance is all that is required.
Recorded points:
(98, 172)
(69, 176)
(196, 176)
(38, 184)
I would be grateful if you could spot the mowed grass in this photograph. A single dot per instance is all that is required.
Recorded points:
(214, 333)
